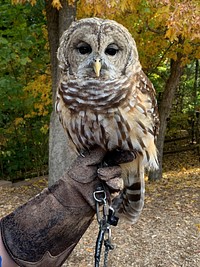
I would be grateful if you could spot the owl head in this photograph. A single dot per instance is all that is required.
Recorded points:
(95, 48)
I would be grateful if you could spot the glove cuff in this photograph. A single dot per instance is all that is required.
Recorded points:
(43, 232)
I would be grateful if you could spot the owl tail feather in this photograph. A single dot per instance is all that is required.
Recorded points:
(130, 202)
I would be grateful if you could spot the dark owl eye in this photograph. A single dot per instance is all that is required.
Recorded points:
(84, 48)
(112, 50)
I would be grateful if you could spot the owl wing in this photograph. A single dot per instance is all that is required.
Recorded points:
(146, 87)
(144, 123)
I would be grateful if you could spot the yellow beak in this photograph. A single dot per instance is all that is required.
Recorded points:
(97, 66)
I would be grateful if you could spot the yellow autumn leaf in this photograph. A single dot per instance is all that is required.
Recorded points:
(40, 89)
(33, 2)
(171, 34)
(187, 48)
(197, 53)
(173, 55)
(18, 121)
(56, 4)
(185, 61)
(44, 129)
(71, 2)
(15, 2)
(123, 5)
(113, 3)
(198, 226)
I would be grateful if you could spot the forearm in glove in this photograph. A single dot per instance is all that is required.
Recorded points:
(44, 231)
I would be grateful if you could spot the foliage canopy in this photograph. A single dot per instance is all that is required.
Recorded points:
(24, 89)
(163, 30)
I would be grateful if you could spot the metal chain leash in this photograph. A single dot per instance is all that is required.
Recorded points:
(105, 218)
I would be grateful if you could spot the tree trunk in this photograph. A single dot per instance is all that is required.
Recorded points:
(60, 155)
(164, 110)
(196, 108)
(196, 79)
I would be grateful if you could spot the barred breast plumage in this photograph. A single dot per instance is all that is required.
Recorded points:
(105, 99)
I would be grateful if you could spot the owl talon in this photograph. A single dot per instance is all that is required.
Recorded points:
(104, 164)
(134, 154)
(117, 201)
(84, 152)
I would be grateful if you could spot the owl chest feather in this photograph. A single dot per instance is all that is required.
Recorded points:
(108, 130)
(96, 114)
(95, 117)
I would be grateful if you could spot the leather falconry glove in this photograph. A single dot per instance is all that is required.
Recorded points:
(45, 230)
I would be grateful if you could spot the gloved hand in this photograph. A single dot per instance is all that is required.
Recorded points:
(44, 231)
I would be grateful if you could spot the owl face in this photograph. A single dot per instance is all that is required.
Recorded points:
(98, 49)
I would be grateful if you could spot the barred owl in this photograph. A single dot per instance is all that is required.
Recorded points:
(105, 99)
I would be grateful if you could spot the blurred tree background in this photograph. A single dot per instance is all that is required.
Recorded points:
(168, 40)
(25, 90)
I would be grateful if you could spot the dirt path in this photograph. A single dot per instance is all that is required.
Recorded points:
(167, 234)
